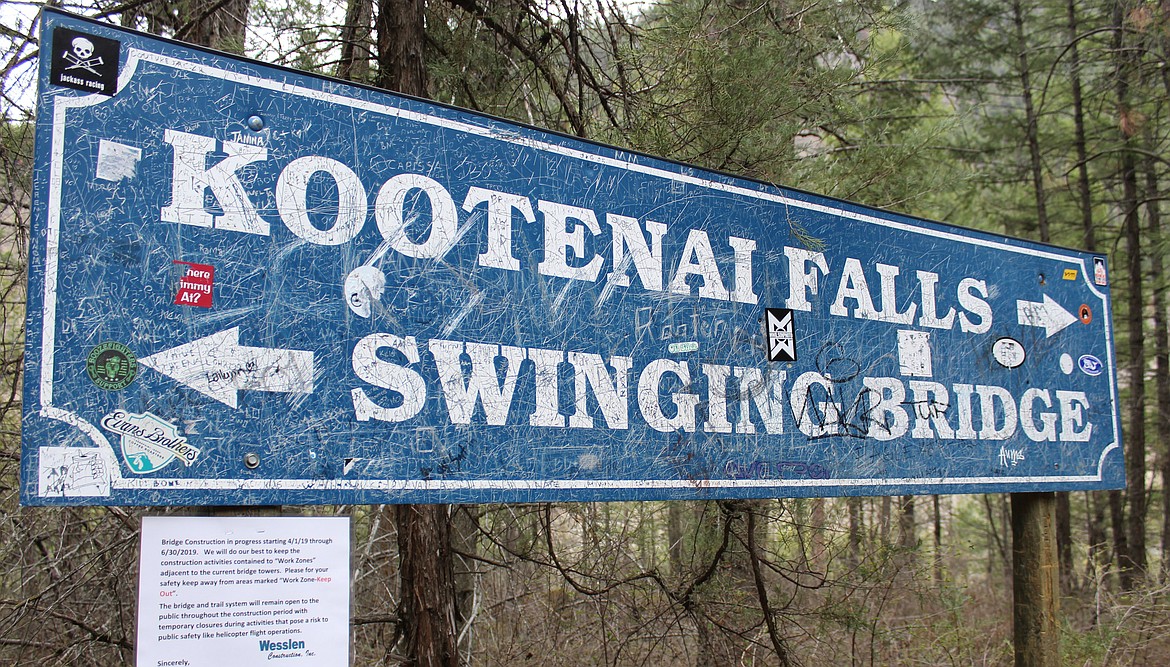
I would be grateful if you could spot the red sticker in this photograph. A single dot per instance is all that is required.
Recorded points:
(195, 285)
(1086, 314)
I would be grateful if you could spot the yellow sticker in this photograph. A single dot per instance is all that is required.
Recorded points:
(1070, 274)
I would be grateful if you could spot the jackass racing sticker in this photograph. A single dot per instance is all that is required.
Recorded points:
(85, 62)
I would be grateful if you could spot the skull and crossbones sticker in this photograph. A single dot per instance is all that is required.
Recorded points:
(81, 55)
(84, 61)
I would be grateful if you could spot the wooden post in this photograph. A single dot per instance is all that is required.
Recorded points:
(1035, 580)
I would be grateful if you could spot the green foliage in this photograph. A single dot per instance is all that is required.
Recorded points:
(303, 34)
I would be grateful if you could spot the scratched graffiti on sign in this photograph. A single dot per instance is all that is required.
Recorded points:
(335, 295)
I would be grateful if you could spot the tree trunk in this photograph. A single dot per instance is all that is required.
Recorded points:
(938, 571)
(427, 607)
(1095, 517)
(885, 509)
(464, 532)
(674, 535)
(1000, 533)
(907, 539)
(1084, 188)
(1120, 541)
(401, 42)
(778, 643)
(1157, 281)
(855, 531)
(354, 64)
(818, 547)
(1064, 550)
(427, 613)
(1133, 559)
(218, 25)
(1032, 123)
(1098, 556)
(1063, 511)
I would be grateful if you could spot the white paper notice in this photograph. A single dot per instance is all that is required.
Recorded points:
(117, 161)
(218, 591)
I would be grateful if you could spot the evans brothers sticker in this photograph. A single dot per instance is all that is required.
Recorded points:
(149, 442)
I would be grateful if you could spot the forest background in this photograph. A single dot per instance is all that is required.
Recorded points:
(1044, 119)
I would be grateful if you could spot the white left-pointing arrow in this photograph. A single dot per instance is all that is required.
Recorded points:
(219, 367)
(1047, 313)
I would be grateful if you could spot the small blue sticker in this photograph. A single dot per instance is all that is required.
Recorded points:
(1090, 365)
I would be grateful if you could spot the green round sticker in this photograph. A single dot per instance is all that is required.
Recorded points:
(111, 366)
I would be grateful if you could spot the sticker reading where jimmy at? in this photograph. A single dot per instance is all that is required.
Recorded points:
(379, 299)
(196, 284)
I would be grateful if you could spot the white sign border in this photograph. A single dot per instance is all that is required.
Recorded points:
(62, 103)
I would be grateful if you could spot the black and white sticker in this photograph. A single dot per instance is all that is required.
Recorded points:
(781, 332)
(1100, 277)
(85, 62)
(1009, 352)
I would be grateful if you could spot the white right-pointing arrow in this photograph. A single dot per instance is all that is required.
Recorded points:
(1047, 314)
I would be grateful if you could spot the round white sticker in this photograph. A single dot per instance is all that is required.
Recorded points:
(1008, 352)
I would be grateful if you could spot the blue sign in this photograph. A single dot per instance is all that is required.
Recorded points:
(249, 285)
